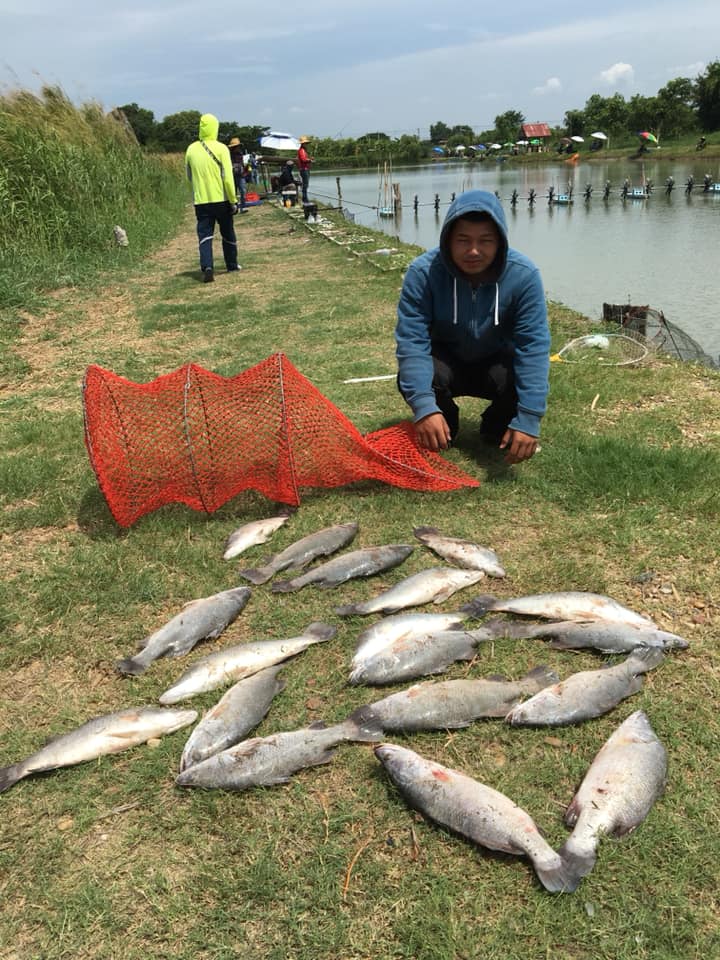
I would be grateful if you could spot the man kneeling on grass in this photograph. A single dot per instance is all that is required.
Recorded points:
(472, 322)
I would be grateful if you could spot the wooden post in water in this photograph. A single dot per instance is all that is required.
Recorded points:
(415, 203)
(437, 203)
(337, 181)
(397, 198)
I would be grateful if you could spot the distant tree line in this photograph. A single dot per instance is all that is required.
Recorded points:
(681, 107)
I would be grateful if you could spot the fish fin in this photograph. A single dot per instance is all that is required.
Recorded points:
(256, 575)
(318, 725)
(421, 532)
(572, 813)
(498, 677)
(320, 632)
(348, 610)
(565, 877)
(479, 606)
(130, 667)
(10, 775)
(543, 674)
(283, 586)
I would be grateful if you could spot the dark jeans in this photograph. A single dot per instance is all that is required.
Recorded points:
(491, 378)
(305, 178)
(208, 214)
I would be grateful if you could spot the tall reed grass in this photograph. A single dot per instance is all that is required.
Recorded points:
(67, 175)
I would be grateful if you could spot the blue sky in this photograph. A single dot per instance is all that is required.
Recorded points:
(345, 67)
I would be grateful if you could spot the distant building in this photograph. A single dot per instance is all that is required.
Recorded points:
(537, 132)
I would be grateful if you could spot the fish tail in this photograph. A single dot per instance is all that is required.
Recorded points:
(542, 674)
(364, 729)
(283, 586)
(647, 658)
(348, 610)
(479, 606)
(10, 775)
(320, 632)
(257, 575)
(565, 874)
(421, 532)
(576, 864)
(130, 666)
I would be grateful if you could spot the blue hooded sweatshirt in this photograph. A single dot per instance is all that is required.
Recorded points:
(506, 312)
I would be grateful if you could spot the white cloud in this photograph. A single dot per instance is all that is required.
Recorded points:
(690, 71)
(617, 74)
(551, 85)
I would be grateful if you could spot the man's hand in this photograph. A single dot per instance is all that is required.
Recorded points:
(432, 432)
(519, 446)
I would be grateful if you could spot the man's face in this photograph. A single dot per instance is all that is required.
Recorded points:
(474, 246)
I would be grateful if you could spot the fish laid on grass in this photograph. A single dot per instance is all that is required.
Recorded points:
(231, 719)
(464, 553)
(267, 761)
(604, 636)
(319, 544)
(198, 620)
(569, 605)
(451, 704)
(623, 782)
(253, 533)
(410, 657)
(111, 733)
(234, 663)
(428, 586)
(588, 694)
(474, 810)
(358, 563)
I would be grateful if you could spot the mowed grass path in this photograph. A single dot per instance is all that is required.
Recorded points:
(110, 860)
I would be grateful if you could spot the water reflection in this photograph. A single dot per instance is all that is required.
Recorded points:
(662, 251)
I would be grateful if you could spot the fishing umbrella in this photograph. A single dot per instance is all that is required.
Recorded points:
(479, 146)
(645, 135)
(438, 150)
(578, 139)
(275, 140)
(495, 146)
(535, 142)
(598, 136)
(461, 147)
(522, 143)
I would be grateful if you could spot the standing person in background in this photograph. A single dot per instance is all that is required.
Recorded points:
(472, 322)
(209, 169)
(304, 161)
(237, 157)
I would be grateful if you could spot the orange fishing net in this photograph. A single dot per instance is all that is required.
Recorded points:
(197, 438)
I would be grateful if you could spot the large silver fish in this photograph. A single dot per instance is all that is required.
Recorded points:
(464, 553)
(428, 586)
(412, 656)
(233, 663)
(399, 625)
(299, 554)
(110, 733)
(267, 761)
(198, 620)
(474, 810)
(600, 635)
(252, 533)
(358, 563)
(233, 716)
(587, 694)
(450, 704)
(568, 605)
(623, 782)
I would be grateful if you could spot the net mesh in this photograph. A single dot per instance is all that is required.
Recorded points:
(659, 332)
(197, 438)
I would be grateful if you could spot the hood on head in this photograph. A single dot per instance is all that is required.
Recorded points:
(475, 201)
(209, 126)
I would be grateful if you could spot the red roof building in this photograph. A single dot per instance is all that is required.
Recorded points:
(531, 131)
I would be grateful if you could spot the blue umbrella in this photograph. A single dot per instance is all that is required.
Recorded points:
(438, 150)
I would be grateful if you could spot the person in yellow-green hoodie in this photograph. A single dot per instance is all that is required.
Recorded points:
(209, 170)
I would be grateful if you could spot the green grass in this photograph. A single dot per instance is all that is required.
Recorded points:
(110, 859)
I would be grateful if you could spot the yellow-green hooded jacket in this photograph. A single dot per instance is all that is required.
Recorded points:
(211, 179)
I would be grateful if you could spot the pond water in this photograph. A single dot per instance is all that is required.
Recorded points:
(662, 251)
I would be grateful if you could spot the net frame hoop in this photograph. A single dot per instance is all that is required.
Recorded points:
(608, 363)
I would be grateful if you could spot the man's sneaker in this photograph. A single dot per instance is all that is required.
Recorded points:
(208, 275)
(233, 269)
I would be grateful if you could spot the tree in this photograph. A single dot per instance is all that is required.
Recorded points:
(608, 114)
(507, 125)
(707, 97)
(142, 121)
(676, 107)
(439, 131)
(178, 130)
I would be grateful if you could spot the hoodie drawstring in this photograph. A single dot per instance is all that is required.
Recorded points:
(455, 301)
